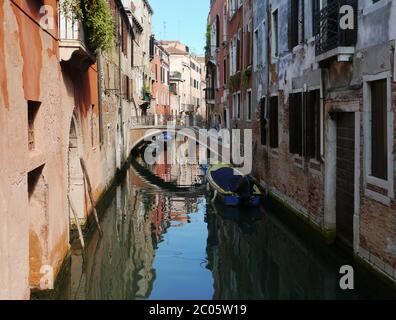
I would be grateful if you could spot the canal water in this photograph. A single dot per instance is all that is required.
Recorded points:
(163, 239)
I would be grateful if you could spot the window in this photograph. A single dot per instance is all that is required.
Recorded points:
(218, 77)
(128, 89)
(234, 106)
(275, 34)
(238, 105)
(263, 123)
(315, 16)
(172, 88)
(124, 38)
(107, 78)
(295, 124)
(249, 44)
(225, 23)
(239, 51)
(33, 108)
(255, 50)
(274, 123)
(217, 31)
(249, 105)
(379, 131)
(296, 22)
(225, 71)
(312, 123)
(293, 24)
(304, 124)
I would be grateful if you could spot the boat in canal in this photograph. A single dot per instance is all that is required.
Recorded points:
(232, 187)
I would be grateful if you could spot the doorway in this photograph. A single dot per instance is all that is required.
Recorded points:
(225, 117)
(345, 177)
(76, 188)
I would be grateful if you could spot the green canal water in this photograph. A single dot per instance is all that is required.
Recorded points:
(163, 239)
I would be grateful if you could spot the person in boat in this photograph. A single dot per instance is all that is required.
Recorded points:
(244, 188)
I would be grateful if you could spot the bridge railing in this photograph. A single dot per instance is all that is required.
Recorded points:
(167, 120)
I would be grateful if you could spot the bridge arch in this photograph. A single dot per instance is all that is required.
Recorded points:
(145, 134)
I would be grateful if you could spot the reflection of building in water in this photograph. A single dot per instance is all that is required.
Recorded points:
(265, 261)
(136, 215)
(183, 175)
(120, 264)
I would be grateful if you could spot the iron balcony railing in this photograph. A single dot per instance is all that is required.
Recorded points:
(329, 32)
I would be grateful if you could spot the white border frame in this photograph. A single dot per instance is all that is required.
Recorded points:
(368, 179)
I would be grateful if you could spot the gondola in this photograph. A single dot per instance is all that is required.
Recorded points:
(233, 188)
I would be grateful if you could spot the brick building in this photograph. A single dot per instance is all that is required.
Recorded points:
(321, 106)
(160, 80)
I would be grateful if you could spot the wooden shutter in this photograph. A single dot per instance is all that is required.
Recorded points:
(293, 23)
(379, 140)
(315, 16)
(295, 124)
(107, 77)
(263, 123)
(312, 131)
(299, 123)
(292, 125)
(274, 123)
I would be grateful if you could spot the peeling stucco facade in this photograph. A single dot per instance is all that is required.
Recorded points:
(76, 112)
(288, 64)
(310, 185)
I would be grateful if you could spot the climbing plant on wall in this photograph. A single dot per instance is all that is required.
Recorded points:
(96, 18)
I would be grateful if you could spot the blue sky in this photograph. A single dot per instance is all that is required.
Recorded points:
(185, 21)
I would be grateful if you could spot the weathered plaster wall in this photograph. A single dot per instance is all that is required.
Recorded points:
(35, 229)
(297, 181)
(32, 72)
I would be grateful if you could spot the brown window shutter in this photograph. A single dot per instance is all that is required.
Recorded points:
(295, 124)
(312, 124)
(274, 123)
(263, 123)
(379, 140)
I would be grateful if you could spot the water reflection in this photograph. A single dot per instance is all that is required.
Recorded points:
(256, 255)
(164, 240)
(141, 247)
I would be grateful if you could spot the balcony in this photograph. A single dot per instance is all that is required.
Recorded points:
(332, 41)
(187, 108)
(210, 95)
(72, 49)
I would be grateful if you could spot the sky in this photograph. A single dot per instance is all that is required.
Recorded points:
(183, 20)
